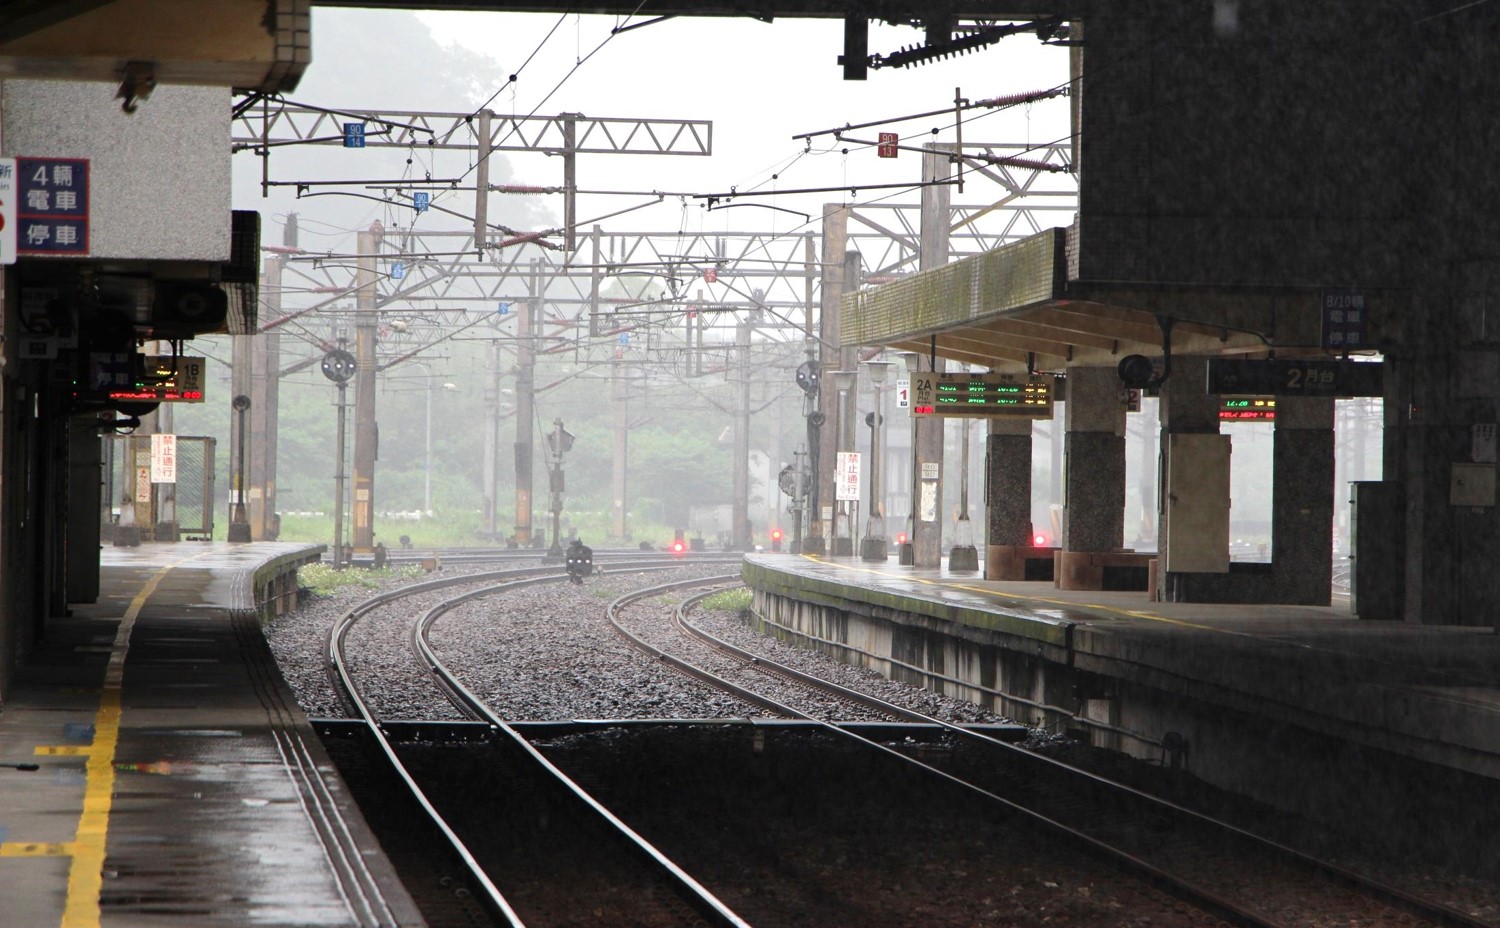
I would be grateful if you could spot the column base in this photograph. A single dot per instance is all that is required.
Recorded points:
(239, 531)
(1019, 562)
(167, 531)
(873, 549)
(127, 536)
(813, 544)
(843, 547)
(963, 557)
(1103, 570)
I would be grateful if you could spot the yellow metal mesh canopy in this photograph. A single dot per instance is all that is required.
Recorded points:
(1011, 277)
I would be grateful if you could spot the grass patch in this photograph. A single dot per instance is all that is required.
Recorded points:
(323, 580)
(737, 600)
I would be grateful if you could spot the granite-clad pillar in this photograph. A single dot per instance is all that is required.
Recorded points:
(1007, 494)
(1094, 504)
(1302, 500)
(1093, 528)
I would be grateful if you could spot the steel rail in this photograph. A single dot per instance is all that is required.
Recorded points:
(715, 910)
(1152, 874)
(1440, 914)
(489, 895)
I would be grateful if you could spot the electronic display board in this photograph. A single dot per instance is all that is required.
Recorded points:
(982, 395)
(162, 379)
(1247, 408)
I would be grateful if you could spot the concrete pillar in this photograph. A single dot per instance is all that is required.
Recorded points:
(1193, 513)
(927, 432)
(365, 438)
(1007, 493)
(824, 443)
(1303, 500)
(1094, 510)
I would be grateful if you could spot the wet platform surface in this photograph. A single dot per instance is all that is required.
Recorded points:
(178, 783)
(1430, 692)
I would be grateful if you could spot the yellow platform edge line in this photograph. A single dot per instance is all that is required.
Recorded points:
(86, 873)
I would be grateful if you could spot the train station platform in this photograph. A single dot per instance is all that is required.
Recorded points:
(1307, 707)
(176, 781)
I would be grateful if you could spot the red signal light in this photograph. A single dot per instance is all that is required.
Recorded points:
(900, 538)
(678, 547)
(1039, 541)
(775, 534)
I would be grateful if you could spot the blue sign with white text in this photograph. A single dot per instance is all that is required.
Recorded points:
(421, 201)
(354, 135)
(52, 209)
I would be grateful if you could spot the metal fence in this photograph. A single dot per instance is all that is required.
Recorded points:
(128, 486)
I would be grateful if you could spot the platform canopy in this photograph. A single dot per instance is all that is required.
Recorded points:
(1022, 306)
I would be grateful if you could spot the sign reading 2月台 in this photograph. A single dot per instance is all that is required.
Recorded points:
(52, 206)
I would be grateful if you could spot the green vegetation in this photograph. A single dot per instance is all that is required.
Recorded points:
(736, 600)
(324, 580)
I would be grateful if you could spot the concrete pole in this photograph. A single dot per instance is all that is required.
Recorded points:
(823, 439)
(570, 179)
(490, 468)
(482, 184)
(525, 402)
(618, 386)
(927, 432)
(365, 325)
(265, 361)
(739, 512)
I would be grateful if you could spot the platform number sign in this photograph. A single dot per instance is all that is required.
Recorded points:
(903, 394)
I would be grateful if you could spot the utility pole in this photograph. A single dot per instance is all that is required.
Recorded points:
(927, 432)
(482, 183)
(365, 436)
(823, 425)
(618, 387)
(265, 372)
(739, 513)
(490, 471)
(525, 400)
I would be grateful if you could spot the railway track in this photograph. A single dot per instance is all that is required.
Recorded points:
(1223, 870)
(561, 853)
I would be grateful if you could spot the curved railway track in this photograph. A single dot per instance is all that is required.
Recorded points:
(1216, 873)
(562, 851)
(1221, 869)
